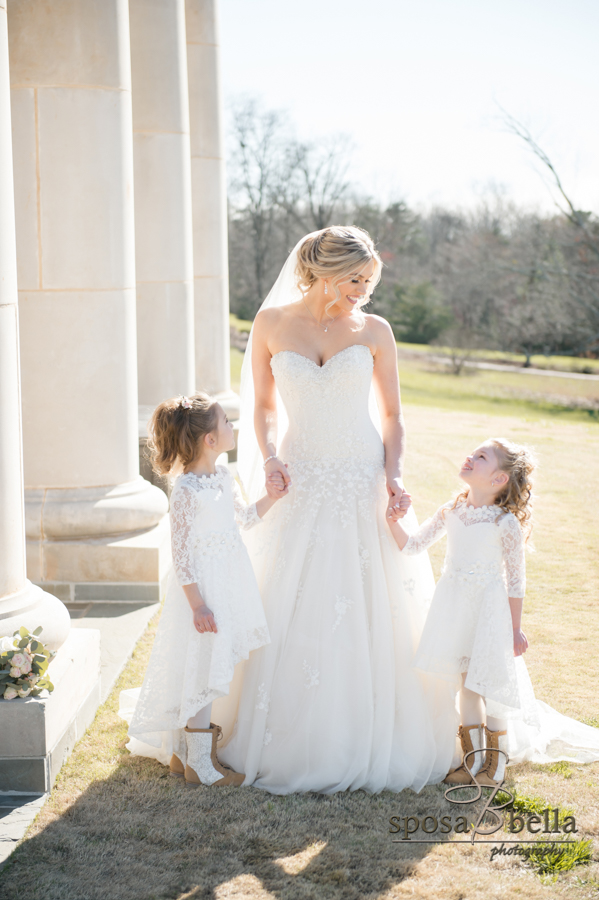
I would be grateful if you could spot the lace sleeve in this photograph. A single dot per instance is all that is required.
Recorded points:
(184, 504)
(429, 532)
(246, 516)
(512, 541)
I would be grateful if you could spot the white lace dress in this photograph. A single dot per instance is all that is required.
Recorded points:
(469, 629)
(333, 703)
(469, 626)
(188, 670)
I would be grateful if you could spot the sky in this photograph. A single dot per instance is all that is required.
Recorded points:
(416, 86)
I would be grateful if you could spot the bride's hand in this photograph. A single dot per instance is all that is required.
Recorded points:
(277, 478)
(398, 507)
(399, 500)
(275, 481)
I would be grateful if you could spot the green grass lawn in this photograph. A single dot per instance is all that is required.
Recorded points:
(118, 828)
(425, 383)
(533, 397)
(561, 363)
(236, 362)
(240, 324)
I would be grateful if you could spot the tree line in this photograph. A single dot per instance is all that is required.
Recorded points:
(497, 277)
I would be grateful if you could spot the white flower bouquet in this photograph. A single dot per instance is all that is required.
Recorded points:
(23, 665)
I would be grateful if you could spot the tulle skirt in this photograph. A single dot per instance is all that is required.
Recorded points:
(469, 629)
(187, 670)
(333, 702)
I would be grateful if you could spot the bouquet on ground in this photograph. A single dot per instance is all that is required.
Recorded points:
(23, 665)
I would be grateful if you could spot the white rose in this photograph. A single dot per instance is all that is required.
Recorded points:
(10, 692)
(18, 660)
(15, 672)
(26, 668)
(24, 692)
(6, 643)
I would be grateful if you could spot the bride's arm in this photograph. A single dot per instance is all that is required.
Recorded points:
(386, 385)
(265, 403)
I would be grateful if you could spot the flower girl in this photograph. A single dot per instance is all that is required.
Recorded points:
(473, 630)
(212, 616)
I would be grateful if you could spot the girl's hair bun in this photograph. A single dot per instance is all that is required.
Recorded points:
(176, 428)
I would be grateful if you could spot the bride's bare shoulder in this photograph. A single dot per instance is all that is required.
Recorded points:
(266, 319)
(377, 326)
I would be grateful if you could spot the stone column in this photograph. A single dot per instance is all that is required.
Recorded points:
(162, 170)
(209, 197)
(92, 522)
(21, 603)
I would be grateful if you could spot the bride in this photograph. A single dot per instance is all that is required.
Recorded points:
(332, 702)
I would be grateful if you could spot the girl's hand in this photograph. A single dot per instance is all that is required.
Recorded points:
(277, 478)
(520, 642)
(204, 620)
(398, 505)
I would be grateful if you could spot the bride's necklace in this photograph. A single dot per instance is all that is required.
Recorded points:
(328, 325)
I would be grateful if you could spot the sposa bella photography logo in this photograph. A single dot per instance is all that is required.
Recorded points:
(489, 821)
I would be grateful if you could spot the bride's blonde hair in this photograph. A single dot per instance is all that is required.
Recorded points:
(337, 253)
(518, 462)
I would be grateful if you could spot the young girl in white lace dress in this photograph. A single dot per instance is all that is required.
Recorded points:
(212, 616)
(473, 630)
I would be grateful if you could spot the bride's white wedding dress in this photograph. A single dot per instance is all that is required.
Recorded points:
(333, 702)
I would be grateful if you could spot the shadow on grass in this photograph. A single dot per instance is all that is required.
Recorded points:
(141, 834)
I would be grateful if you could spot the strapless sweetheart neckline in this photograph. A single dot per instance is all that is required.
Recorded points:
(330, 359)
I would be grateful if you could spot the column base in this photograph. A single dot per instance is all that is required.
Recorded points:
(74, 514)
(32, 607)
(37, 734)
(131, 568)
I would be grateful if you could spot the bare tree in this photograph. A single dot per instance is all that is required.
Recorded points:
(260, 141)
(316, 185)
(500, 277)
(578, 265)
(279, 188)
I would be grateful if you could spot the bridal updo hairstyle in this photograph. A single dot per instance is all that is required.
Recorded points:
(518, 462)
(176, 428)
(337, 253)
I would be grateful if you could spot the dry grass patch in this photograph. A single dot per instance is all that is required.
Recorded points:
(118, 828)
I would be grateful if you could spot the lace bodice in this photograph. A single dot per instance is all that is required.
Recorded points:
(205, 512)
(327, 406)
(497, 547)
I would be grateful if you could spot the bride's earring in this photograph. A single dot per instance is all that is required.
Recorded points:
(326, 289)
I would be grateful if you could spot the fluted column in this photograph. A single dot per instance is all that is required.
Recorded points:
(21, 603)
(162, 171)
(209, 197)
(72, 139)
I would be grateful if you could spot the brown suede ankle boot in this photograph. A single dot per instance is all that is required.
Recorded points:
(177, 769)
(203, 765)
(179, 757)
(472, 737)
(493, 771)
